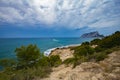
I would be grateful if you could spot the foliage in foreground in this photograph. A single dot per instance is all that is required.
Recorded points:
(55, 60)
(27, 55)
(30, 63)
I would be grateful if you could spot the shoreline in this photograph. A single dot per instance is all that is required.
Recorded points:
(49, 51)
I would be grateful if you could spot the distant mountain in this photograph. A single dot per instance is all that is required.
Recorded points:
(91, 35)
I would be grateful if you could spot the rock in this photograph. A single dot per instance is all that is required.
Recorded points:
(91, 35)
(64, 53)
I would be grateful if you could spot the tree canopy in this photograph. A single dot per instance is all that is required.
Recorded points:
(27, 54)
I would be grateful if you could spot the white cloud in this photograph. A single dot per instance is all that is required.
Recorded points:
(108, 22)
(44, 10)
(69, 13)
(14, 15)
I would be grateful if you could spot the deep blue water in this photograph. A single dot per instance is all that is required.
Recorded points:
(8, 45)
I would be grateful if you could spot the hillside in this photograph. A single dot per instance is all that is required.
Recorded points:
(108, 69)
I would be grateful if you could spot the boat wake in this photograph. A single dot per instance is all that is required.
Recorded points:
(55, 40)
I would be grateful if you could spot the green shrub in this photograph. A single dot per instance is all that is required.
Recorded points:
(111, 41)
(99, 56)
(108, 51)
(76, 60)
(7, 63)
(69, 61)
(84, 50)
(115, 48)
(30, 73)
(95, 42)
(27, 55)
(85, 43)
(44, 61)
(4, 76)
(55, 60)
(99, 49)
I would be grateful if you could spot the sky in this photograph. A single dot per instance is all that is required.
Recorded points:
(58, 18)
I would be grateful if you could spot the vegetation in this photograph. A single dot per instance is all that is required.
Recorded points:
(6, 63)
(30, 63)
(82, 54)
(95, 42)
(69, 61)
(85, 52)
(27, 55)
(55, 60)
(110, 41)
(85, 43)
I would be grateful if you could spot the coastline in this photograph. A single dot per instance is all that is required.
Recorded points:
(49, 51)
(64, 51)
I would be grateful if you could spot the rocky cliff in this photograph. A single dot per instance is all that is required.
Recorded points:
(64, 53)
(91, 35)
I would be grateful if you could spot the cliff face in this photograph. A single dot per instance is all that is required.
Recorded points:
(64, 53)
(108, 69)
(91, 35)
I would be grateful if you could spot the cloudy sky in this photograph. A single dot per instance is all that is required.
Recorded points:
(58, 18)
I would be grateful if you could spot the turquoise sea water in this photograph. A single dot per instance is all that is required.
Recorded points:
(8, 45)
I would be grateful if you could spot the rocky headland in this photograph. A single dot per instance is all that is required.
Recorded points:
(92, 35)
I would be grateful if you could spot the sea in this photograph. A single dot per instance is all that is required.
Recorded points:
(8, 45)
